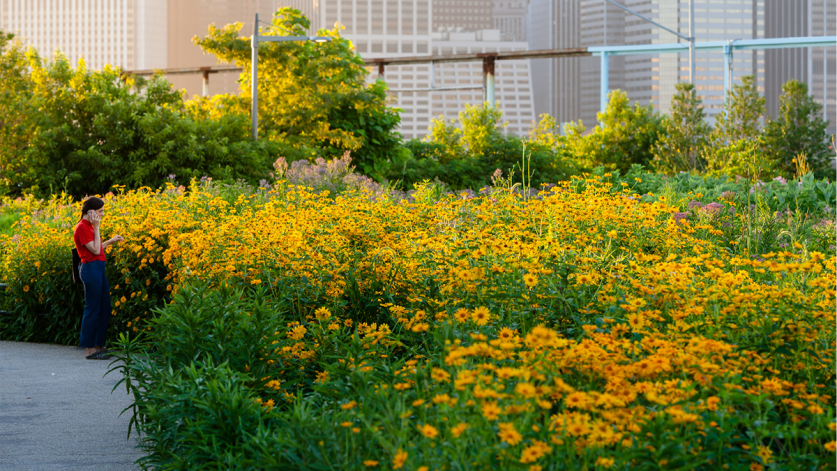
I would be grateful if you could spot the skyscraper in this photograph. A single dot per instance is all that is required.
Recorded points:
(556, 82)
(463, 15)
(131, 34)
(651, 78)
(401, 28)
(510, 19)
(190, 18)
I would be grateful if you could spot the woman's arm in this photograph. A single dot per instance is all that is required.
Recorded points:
(115, 239)
(95, 246)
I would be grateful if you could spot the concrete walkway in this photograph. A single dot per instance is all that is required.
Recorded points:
(57, 411)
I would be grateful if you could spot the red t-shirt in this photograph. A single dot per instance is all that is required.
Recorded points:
(84, 233)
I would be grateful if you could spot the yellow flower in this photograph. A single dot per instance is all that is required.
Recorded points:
(636, 321)
(457, 431)
(530, 280)
(399, 459)
(297, 332)
(765, 453)
(831, 446)
(481, 315)
(491, 411)
(26, 289)
(322, 314)
(462, 315)
(440, 375)
(508, 434)
(348, 405)
(526, 390)
(605, 462)
(370, 463)
(428, 431)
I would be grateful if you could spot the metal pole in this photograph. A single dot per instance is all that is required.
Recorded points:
(205, 83)
(691, 42)
(727, 78)
(604, 81)
(254, 90)
(824, 63)
(488, 72)
(381, 71)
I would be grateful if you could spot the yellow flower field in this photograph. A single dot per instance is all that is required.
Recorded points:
(581, 329)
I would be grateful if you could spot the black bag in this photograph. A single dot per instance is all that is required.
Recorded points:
(76, 264)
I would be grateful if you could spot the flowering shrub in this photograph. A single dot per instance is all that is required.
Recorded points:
(582, 327)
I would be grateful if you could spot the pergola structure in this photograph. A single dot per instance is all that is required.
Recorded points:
(727, 47)
(490, 58)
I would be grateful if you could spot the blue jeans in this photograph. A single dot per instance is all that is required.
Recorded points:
(94, 324)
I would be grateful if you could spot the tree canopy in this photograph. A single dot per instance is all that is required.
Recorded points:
(313, 97)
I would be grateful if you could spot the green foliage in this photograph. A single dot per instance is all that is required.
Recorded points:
(445, 142)
(685, 133)
(480, 128)
(743, 114)
(546, 133)
(83, 131)
(799, 129)
(740, 158)
(313, 99)
(625, 136)
(467, 156)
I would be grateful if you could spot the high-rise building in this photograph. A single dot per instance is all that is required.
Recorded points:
(647, 78)
(815, 66)
(463, 15)
(510, 19)
(190, 18)
(651, 78)
(402, 28)
(130, 34)
(556, 82)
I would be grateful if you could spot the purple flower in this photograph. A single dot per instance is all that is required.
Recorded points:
(694, 205)
(679, 217)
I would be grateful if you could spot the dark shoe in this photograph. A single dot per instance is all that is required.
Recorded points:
(100, 355)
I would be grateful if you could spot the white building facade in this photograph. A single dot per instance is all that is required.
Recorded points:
(404, 28)
(126, 33)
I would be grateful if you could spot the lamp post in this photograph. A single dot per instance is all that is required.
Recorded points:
(254, 43)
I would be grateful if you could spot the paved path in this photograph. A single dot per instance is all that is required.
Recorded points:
(57, 411)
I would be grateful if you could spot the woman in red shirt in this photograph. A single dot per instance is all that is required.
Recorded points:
(91, 250)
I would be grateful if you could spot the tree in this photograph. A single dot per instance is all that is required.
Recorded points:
(313, 97)
(83, 131)
(742, 115)
(480, 127)
(685, 133)
(446, 139)
(15, 118)
(799, 129)
(546, 132)
(626, 135)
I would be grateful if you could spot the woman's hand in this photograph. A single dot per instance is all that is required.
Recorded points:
(94, 218)
(115, 239)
